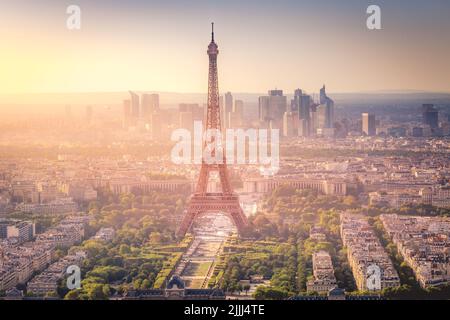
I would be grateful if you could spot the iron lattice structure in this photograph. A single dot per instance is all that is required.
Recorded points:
(225, 201)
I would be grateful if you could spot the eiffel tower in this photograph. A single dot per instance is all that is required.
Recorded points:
(201, 201)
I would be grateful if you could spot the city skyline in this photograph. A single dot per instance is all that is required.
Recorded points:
(296, 192)
(148, 43)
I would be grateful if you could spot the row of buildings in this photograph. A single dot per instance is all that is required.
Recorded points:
(21, 231)
(47, 282)
(20, 261)
(43, 192)
(66, 184)
(264, 185)
(437, 196)
(365, 250)
(58, 206)
(47, 197)
(424, 243)
(69, 231)
(324, 279)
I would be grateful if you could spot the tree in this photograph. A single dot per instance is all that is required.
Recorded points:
(155, 238)
(270, 293)
(246, 288)
(137, 284)
(73, 295)
(239, 288)
(124, 249)
(349, 201)
(96, 292)
(146, 284)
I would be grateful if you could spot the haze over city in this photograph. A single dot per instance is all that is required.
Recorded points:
(233, 151)
(155, 45)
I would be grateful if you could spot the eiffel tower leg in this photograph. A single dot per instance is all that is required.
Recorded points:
(202, 184)
(239, 219)
(186, 223)
(224, 180)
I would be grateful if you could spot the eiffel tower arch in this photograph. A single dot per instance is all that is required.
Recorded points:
(201, 201)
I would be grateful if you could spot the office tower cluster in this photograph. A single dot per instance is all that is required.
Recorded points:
(304, 117)
(143, 113)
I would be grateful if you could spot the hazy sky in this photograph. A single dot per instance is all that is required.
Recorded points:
(161, 45)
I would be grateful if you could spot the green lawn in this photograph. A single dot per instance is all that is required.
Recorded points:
(196, 269)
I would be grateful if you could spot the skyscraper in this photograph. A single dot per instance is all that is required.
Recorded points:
(321, 116)
(228, 108)
(263, 109)
(272, 108)
(291, 124)
(304, 113)
(186, 120)
(239, 107)
(188, 114)
(314, 118)
(323, 95)
(149, 105)
(135, 112)
(368, 124)
(329, 108)
(295, 103)
(301, 106)
(430, 116)
(236, 117)
(329, 123)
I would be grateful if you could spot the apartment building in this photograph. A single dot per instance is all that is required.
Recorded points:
(363, 250)
(323, 272)
(47, 282)
(424, 243)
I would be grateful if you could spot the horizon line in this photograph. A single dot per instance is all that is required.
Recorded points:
(380, 91)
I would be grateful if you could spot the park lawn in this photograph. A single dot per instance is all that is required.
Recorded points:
(196, 283)
(195, 269)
